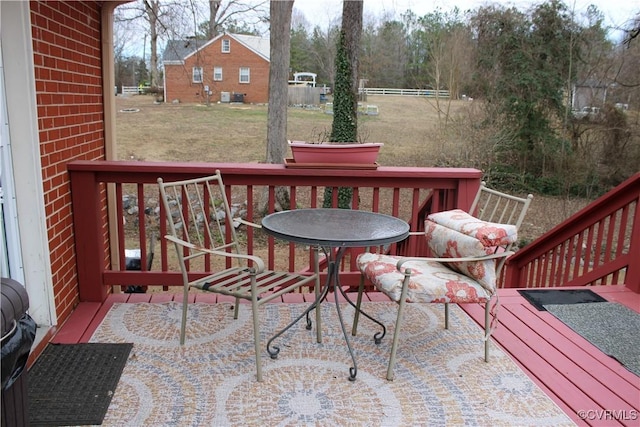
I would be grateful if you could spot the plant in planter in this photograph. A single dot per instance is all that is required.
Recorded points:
(343, 147)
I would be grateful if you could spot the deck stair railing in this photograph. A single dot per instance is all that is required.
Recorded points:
(599, 245)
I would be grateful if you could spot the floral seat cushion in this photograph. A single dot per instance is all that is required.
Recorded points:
(488, 233)
(445, 242)
(450, 234)
(431, 281)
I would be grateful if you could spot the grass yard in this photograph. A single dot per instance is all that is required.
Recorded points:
(238, 133)
(409, 127)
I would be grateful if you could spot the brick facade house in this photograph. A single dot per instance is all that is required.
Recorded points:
(233, 67)
(58, 102)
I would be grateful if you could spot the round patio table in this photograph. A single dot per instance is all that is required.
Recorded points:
(330, 229)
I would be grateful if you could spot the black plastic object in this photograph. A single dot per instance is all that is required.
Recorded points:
(133, 262)
(18, 331)
(18, 334)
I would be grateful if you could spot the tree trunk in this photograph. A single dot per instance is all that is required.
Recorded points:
(280, 48)
(352, 27)
(278, 79)
(345, 102)
(344, 127)
(214, 6)
(152, 9)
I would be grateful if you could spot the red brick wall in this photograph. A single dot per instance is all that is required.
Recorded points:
(67, 60)
(179, 82)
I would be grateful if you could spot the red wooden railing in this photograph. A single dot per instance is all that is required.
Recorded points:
(406, 192)
(595, 246)
(600, 245)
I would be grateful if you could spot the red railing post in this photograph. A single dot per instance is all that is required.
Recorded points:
(467, 190)
(88, 207)
(632, 277)
(511, 276)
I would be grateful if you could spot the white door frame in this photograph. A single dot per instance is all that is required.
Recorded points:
(11, 256)
(24, 148)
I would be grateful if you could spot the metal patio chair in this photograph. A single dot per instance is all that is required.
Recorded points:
(203, 230)
(468, 253)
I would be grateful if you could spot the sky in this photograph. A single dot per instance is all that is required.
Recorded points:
(319, 12)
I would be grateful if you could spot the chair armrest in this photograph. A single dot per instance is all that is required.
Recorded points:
(258, 263)
(411, 233)
(248, 223)
(402, 260)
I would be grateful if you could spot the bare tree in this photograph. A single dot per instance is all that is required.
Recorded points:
(633, 30)
(323, 52)
(158, 18)
(214, 6)
(152, 8)
(223, 14)
(384, 67)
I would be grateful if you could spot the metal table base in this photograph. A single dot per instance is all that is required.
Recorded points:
(333, 276)
(333, 231)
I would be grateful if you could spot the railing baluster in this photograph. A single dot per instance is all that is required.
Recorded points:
(597, 259)
(250, 214)
(610, 233)
(120, 227)
(622, 239)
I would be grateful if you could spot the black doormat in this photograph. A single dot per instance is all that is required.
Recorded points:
(539, 297)
(72, 384)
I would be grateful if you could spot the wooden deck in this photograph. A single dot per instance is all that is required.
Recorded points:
(591, 387)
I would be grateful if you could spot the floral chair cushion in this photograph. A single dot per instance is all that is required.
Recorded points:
(431, 281)
(448, 243)
(488, 233)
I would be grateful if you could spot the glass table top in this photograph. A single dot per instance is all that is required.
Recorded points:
(335, 227)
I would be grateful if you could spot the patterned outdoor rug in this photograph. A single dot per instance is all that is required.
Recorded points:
(441, 378)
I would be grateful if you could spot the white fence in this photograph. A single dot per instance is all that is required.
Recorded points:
(130, 90)
(405, 92)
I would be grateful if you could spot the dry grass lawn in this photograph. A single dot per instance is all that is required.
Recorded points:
(238, 133)
(409, 128)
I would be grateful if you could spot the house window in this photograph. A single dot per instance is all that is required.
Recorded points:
(197, 74)
(226, 45)
(245, 75)
(217, 74)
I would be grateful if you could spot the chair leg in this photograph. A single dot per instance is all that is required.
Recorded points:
(446, 315)
(256, 336)
(399, 319)
(236, 309)
(356, 316)
(487, 329)
(185, 308)
(396, 336)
